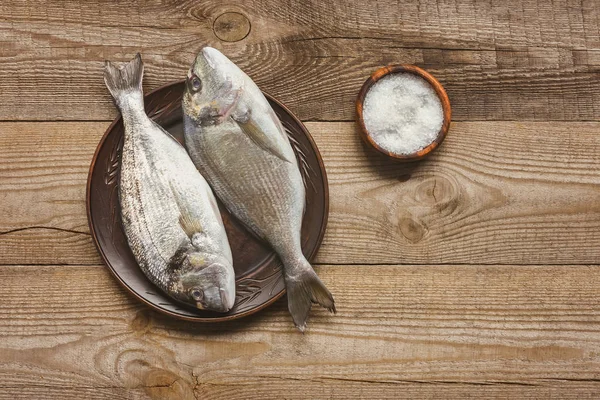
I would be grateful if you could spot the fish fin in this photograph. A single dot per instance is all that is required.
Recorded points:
(124, 79)
(189, 224)
(258, 136)
(303, 289)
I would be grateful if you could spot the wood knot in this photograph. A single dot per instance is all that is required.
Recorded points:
(231, 27)
(439, 192)
(412, 230)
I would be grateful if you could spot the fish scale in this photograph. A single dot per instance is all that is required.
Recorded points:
(170, 218)
(273, 183)
(235, 139)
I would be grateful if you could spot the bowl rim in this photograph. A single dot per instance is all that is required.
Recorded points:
(217, 319)
(437, 86)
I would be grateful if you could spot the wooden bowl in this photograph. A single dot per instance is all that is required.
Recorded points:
(391, 69)
(259, 280)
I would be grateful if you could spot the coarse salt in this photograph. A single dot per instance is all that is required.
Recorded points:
(403, 113)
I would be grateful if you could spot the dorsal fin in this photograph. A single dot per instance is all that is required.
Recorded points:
(189, 224)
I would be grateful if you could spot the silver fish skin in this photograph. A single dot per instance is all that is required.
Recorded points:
(170, 215)
(235, 139)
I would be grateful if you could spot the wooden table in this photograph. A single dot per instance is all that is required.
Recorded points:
(471, 274)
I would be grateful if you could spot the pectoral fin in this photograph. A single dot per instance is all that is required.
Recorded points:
(189, 224)
(258, 136)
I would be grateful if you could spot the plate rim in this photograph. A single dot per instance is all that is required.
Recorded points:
(243, 314)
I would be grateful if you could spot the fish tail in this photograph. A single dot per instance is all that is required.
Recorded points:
(125, 80)
(304, 288)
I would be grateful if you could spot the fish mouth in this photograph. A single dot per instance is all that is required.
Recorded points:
(218, 301)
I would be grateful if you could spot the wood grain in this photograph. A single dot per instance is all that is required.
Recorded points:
(494, 193)
(401, 331)
(509, 193)
(513, 60)
(43, 170)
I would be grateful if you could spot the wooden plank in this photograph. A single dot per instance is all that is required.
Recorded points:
(319, 389)
(495, 193)
(43, 174)
(42, 392)
(514, 60)
(401, 332)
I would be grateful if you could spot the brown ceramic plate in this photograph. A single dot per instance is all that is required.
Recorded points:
(259, 281)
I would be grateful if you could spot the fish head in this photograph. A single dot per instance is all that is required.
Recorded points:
(212, 87)
(208, 283)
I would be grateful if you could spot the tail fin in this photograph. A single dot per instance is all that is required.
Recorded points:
(125, 79)
(303, 289)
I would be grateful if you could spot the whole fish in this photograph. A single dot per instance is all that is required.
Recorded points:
(235, 139)
(170, 215)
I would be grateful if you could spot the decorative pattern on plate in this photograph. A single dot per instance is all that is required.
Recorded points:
(305, 168)
(249, 289)
(260, 280)
(113, 164)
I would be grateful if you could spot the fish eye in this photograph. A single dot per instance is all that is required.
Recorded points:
(195, 83)
(197, 294)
